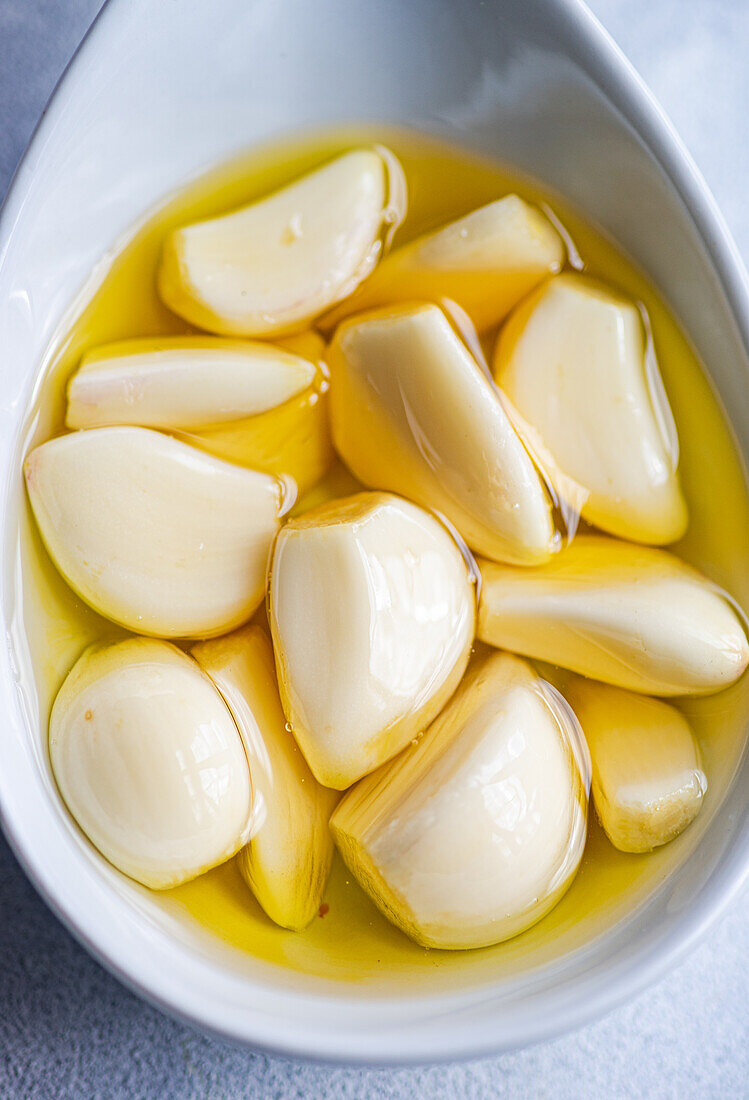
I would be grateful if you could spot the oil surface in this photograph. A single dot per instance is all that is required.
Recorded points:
(352, 941)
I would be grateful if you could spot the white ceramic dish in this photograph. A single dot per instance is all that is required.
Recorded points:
(158, 92)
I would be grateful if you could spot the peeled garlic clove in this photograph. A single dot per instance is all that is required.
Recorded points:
(290, 440)
(628, 615)
(485, 262)
(372, 613)
(474, 833)
(573, 361)
(287, 861)
(412, 412)
(648, 782)
(183, 382)
(274, 265)
(149, 762)
(152, 533)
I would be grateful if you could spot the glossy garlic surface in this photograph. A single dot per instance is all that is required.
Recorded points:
(183, 382)
(287, 861)
(474, 833)
(484, 263)
(412, 412)
(575, 362)
(153, 534)
(372, 610)
(150, 762)
(629, 615)
(273, 266)
(648, 782)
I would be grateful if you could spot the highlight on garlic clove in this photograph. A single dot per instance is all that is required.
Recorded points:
(485, 262)
(648, 782)
(152, 533)
(271, 267)
(575, 362)
(287, 861)
(292, 440)
(412, 412)
(150, 763)
(372, 612)
(182, 382)
(632, 616)
(474, 833)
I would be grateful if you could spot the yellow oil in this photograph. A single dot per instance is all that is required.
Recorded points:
(352, 942)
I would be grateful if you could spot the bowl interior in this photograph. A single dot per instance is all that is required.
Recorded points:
(145, 107)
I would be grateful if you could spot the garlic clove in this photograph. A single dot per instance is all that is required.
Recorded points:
(272, 266)
(412, 412)
(475, 832)
(182, 382)
(372, 612)
(149, 762)
(287, 861)
(574, 361)
(291, 440)
(648, 782)
(629, 615)
(151, 533)
(485, 262)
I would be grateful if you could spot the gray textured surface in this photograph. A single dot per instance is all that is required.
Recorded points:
(67, 1029)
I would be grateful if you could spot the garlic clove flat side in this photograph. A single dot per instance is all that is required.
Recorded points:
(372, 611)
(574, 361)
(287, 861)
(474, 833)
(271, 267)
(485, 262)
(412, 412)
(150, 763)
(182, 382)
(152, 533)
(633, 616)
(648, 782)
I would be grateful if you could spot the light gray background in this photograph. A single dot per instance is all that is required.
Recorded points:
(67, 1029)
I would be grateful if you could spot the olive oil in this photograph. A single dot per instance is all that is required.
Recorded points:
(349, 940)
